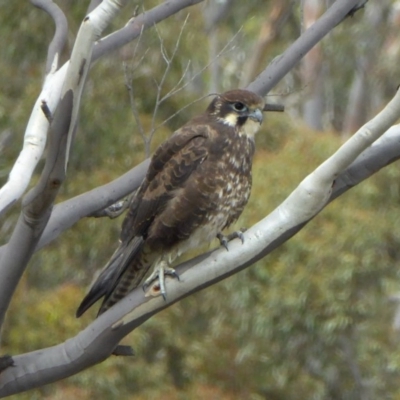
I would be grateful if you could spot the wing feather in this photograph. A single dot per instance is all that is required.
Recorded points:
(171, 166)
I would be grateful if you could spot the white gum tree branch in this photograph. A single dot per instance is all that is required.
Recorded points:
(70, 215)
(67, 219)
(264, 82)
(57, 84)
(384, 151)
(36, 131)
(98, 340)
(335, 14)
(38, 203)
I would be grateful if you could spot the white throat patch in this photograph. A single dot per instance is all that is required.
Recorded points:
(250, 128)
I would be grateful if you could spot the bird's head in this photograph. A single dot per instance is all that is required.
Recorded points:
(239, 109)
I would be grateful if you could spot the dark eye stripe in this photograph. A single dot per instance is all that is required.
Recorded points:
(241, 120)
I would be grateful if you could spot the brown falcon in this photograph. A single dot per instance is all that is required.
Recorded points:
(197, 184)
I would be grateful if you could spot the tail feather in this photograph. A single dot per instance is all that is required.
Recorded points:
(129, 281)
(110, 276)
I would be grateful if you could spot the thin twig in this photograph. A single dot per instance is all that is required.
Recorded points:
(128, 76)
(159, 99)
(223, 51)
(147, 138)
(135, 111)
(177, 43)
(180, 110)
(175, 90)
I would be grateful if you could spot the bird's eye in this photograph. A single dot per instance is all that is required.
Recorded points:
(238, 106)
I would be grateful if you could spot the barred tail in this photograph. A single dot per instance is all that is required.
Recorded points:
(130, 280)
(122, 274)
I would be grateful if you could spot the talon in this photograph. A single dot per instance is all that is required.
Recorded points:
(159, 274)
(223, 240)
(173, 273)
(240, 236)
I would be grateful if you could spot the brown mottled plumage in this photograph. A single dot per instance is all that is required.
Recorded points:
(197, 184)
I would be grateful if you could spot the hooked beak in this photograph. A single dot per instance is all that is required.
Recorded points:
(256, 115)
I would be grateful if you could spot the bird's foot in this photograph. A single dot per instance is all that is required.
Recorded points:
(158, 275)
(224, 240)
(115, 210)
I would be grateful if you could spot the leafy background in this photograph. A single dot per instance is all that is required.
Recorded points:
(315, 318)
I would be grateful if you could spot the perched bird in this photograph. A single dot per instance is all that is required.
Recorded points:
(197, 184)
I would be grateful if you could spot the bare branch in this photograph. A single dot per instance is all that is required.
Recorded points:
(384, 152)
(36, 209)
(128, 75)
(135, 111)
(60, 35)
(93, 4)
(168, 61)
(38, 202)
(283, 64)
(100, 338)
(274, 107)
(180, 110)
(36, 130)
(225, 49)
(138, 24)
(6, 362)
(178, 41)
(69, 212)
(155, 13)
(114, 211)
(214, 12)
(178, 88)
(162, 47)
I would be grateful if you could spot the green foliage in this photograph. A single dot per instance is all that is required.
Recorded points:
(299, 321)
(310, 318)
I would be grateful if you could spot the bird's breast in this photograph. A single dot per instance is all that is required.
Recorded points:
(212, 198)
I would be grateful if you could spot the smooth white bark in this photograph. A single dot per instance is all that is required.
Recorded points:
(37, 128)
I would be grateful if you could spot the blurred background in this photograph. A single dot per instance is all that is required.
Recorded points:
(314, 320)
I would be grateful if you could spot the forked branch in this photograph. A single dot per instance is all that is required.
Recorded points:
(99, 339)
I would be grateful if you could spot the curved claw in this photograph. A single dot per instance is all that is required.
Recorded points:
(159, 273)
(224, 240)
